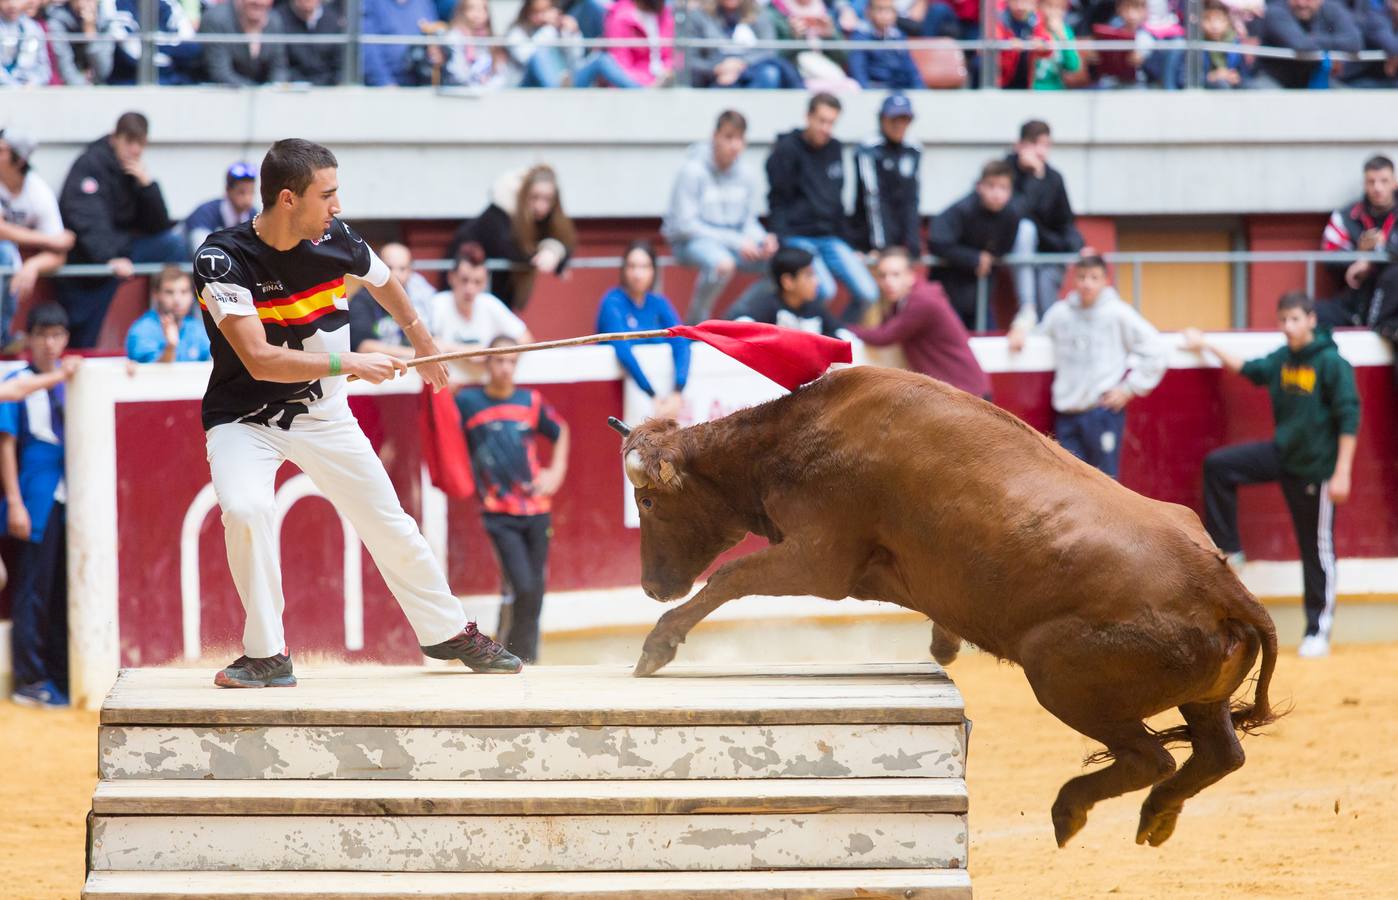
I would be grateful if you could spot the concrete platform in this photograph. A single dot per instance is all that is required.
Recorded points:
(578, 781)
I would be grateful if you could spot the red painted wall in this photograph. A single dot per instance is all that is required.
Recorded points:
(1268, 281)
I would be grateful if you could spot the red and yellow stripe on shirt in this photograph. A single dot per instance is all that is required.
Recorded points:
(302, 307)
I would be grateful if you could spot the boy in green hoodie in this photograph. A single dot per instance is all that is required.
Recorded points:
(1316, 408)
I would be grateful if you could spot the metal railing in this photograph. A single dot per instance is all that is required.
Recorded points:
(353, 41)
(1239, 260)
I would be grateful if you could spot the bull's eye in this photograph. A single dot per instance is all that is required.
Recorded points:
(647, 502)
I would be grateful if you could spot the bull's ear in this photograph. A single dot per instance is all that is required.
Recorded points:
(669, 475)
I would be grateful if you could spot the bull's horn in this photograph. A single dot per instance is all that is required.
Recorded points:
(636, 470)
(619, 426)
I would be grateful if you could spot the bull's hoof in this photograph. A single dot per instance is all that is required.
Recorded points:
(1067, 822)
(1156, 824)
(655, 655)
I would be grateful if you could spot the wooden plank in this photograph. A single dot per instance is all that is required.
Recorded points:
(609, 752)
(528, 843)
(541, 697)
(529, 798)
(827, 884)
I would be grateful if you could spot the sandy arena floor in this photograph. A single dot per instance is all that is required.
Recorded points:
(1313, 813)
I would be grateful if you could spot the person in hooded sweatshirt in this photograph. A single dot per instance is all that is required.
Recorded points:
(1104, 355)
(806, 205)
(1316, 409)
(712, 220)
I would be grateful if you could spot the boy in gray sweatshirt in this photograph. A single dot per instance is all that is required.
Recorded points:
(712, 220)
(1105, 353)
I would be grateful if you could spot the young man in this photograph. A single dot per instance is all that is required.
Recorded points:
(1369, 224)
(273, 295)
(918, 316)
(31, 469)
(1104, 354)
(167, 332)
(371, 329)
(32, 237)
(1316, 409)
(1049, 225)
(503, 423)
(467, 316)
(116, 210)
(888, 183)
(237, 205)
(882, 67)
(793, 299)
(712, 220)
(971, 234)
(806, 206)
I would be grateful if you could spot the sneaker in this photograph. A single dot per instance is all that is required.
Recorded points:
(41, 695)
(253, 672)
(1313, 646)
(477, 651)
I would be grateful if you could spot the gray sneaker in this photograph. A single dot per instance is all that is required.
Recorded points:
(477, 651)
(251, 672)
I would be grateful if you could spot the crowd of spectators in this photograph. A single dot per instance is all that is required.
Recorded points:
(96, 42)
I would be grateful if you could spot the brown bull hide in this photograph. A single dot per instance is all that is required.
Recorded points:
(887, 485)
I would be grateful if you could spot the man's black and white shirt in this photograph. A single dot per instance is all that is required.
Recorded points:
(299, 294)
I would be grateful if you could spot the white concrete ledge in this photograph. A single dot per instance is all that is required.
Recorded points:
(421, 153)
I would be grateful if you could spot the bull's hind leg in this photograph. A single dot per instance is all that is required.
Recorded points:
(1139, 762)
(1216, 752)
(784, 569)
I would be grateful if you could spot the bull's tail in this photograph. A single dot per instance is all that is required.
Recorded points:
(1249, 718)
(1252, 717)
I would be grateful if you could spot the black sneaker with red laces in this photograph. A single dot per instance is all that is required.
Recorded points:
(477, 651)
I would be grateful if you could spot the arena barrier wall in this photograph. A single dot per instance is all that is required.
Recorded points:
(149, 584)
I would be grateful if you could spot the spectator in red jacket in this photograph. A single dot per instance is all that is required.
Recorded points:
(1020, 21)
(1369, 224)
(918, 316)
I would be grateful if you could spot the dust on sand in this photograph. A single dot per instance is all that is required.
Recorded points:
(1314, 812)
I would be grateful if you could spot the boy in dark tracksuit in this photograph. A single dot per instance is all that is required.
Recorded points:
(888, 183)
(1316, 408)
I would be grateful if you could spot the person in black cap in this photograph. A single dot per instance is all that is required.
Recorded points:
(888, 183)
(237, 205)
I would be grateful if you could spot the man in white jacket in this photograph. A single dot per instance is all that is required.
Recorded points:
(1105, 353)
(712, 221)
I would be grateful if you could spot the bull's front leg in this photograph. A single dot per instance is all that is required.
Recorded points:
(785, 569)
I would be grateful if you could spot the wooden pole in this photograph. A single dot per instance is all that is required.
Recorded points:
(540, 345)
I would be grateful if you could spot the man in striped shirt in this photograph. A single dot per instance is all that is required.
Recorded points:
(1371, 224)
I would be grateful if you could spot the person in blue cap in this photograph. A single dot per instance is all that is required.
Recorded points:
(888, 183)
(237, 205)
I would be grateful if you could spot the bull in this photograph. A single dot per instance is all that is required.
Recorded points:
(887, 485)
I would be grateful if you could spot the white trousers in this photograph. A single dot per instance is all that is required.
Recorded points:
(341, 462)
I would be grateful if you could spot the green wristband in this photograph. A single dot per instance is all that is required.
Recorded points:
(334, 364)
